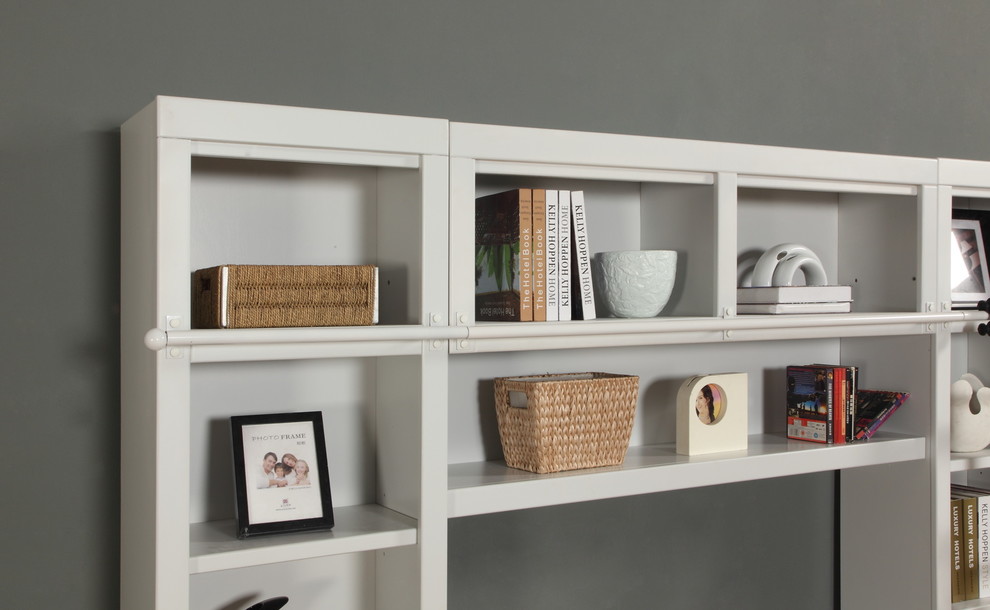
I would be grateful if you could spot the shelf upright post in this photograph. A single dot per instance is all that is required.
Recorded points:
(461, 240)
(154, 486)
(726, 228)
(931, 255)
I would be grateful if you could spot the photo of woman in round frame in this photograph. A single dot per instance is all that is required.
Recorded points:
(710, 404)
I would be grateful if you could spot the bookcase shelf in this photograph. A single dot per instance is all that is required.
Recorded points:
(970, 461)
(485, 487)
(407, 403)
(234, 345)
(208, 183)
(963, 185)
(607, 332)
(213, 545)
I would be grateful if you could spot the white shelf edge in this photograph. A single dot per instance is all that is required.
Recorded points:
(302, 154)
(701, 324)
(252, 344)
(593, 172)
(276, 125)
(969, 326)
(606, 332)
(490, 487)
(327, 334)
(528, 144)
(303, 351)
(969, 461)
(657, 336)
(214, 547)
(803, 184)
(972, 604)
(976, 193)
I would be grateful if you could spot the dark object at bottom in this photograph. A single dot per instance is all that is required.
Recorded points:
(270, 604)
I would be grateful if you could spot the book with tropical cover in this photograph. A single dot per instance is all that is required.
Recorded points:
(503, 269)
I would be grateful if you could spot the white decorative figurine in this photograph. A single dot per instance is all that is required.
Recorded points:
(969, 408)
(778, 265)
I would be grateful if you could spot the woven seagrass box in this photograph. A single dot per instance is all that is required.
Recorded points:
(272, 296)
(549, 423)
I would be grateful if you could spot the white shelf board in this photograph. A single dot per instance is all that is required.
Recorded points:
(585, 172)
(970, 461)
(614, 332)
(213, 545)
(533, 145)
(248, 344)
(264, 124)
(302, 351)
(489, 487)
(302, 154)
(973, 604)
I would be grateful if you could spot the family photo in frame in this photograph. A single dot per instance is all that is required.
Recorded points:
(282, 483)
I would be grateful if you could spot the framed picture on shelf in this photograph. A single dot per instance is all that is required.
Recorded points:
(281, 479)
(968, 263)
(713, 414)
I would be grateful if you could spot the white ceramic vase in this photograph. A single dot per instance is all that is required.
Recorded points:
(635, 283)
(969, 406)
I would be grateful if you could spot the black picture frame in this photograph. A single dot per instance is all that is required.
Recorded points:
(296, 502)
(969, 279)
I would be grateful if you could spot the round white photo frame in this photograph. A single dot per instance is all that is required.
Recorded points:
(712, 414)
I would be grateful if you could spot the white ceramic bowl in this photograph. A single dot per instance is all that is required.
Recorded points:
(635, 283)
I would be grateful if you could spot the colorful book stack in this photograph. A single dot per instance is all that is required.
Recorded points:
(826, 405)
(821, 399)
(970, 543)
(532, 258)
(793, 299)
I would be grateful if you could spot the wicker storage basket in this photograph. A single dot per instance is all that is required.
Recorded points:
(550, 423)
(270, 296)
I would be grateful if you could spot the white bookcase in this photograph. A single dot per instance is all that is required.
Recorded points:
(407, 404)
(208, 183)
(965, 184)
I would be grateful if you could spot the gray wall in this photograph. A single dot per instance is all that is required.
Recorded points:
(905, 77)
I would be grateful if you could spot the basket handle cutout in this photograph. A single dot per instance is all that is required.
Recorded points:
(518, 399)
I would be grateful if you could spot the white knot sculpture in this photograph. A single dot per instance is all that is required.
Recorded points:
(777, 266)
(969, 409)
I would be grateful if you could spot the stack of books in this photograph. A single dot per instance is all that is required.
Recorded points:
(532, 258)
(821, 402)
(826, 405)
(793, 299)
(970, 542)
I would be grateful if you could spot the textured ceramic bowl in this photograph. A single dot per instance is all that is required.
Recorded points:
(635, 283)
